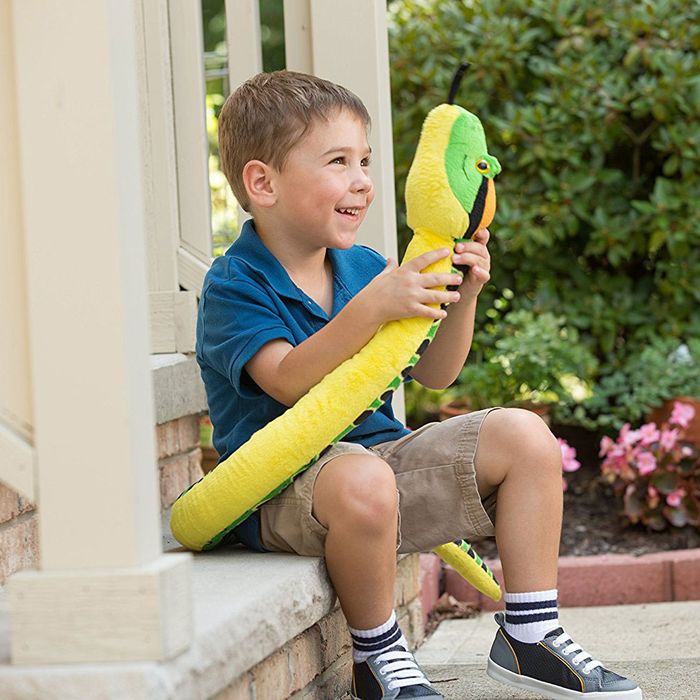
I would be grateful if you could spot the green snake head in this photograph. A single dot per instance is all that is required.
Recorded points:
(450, 189)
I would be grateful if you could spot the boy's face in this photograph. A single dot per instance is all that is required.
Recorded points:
(324, 189)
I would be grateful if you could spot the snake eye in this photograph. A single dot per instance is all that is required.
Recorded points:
(482, 166)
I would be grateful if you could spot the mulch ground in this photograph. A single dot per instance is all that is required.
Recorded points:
(593, 523)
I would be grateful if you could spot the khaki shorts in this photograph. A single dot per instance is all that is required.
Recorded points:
(438, 497)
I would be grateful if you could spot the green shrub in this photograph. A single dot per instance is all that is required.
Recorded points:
(526, 358)
(659, 371)
(593, 109)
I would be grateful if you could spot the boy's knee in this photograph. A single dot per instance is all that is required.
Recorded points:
(366, 493)
(531, 440)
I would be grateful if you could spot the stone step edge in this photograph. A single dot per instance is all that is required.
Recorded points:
(605, 579)
(246, 606)
(250, 609)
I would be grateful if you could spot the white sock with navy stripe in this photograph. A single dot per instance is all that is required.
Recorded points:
(529, 616)
(366, 643)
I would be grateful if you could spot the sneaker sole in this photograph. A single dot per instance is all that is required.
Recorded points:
(554, 692)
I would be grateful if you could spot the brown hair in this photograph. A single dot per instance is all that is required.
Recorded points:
(267, 115)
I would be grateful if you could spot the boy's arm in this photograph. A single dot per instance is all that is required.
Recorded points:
(287, 373)
(442, 361)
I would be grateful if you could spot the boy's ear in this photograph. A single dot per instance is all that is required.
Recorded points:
(257, 179)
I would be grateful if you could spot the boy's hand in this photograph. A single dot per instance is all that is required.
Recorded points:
(475, 254)
(405, 292)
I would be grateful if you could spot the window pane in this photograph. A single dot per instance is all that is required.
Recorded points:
(224, 208)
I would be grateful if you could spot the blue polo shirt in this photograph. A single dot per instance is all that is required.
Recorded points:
(248, 299)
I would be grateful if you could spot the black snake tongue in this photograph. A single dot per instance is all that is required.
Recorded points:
(474, 221)
(478, 208)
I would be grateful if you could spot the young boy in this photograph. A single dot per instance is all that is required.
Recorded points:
(293, 298)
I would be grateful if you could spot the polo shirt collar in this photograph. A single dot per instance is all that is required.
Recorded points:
(259, 258)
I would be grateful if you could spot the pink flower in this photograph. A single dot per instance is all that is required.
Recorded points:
(627, 436)
(652, 492)
(606, 444)
(646, 463)
(675, 497)
(686, 451)
(611, 450)
(568, 456)
(668, 439)
(648, 434)
(682, 414)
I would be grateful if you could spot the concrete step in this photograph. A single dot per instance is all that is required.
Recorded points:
(266, 627)
(657, 644)
(240, 617)
(246, 606)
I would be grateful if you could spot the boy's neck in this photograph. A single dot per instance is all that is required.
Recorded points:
(292, 254)
(309, 269)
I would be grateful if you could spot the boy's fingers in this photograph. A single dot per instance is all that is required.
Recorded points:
(471, 259)
(430, 280)
(476, 247)
(422, 261)
(482, 236)
(441, 297)
(430, 312)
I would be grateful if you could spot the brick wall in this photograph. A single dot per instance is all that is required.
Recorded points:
(316, 664)
(179, 465)
(179, 457)
(19, 539)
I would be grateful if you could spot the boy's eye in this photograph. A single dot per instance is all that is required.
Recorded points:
(340, 160)
(365, 162)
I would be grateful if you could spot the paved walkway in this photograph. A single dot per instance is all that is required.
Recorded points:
(657, 644)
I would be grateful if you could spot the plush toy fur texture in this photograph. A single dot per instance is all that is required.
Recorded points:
(439, 199)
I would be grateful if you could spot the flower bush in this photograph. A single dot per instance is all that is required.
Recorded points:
(655, 472)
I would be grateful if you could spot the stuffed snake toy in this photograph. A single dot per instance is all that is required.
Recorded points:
(449, 196)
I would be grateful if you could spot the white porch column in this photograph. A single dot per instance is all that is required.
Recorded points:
(16, 414)
(355, 54)
(104, 591)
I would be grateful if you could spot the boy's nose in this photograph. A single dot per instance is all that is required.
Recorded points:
(362, 183)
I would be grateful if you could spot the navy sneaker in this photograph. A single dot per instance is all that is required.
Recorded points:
(391, 674)
(556, 667)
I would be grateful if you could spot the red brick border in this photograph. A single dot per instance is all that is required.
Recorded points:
(608, 579)
(430, 571)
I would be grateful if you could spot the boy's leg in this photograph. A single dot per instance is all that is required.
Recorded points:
(355, 498)
(518, 455)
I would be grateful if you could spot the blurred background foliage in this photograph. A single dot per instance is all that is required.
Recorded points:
(593, 109)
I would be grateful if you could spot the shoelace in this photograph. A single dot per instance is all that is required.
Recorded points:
(401, 669)
(572, 647)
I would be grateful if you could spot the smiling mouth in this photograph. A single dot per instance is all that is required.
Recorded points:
(352, 212)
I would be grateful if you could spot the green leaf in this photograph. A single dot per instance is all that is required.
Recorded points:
(665, 482)
(657, 239)
(676, 516)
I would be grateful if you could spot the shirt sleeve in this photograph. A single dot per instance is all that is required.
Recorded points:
(237, 319)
